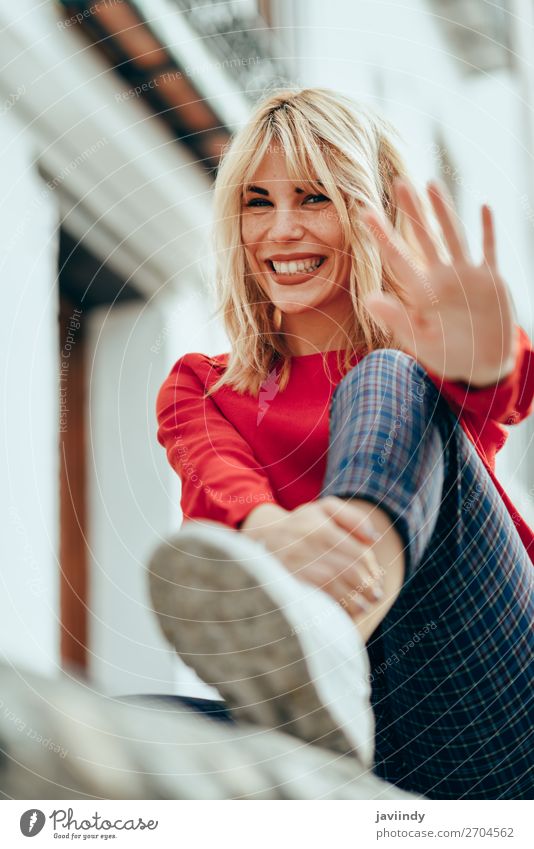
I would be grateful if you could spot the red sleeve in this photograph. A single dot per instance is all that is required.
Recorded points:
(509, 401)
(221, 478)
(484, 411)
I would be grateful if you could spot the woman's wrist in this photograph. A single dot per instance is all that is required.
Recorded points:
(260, 518)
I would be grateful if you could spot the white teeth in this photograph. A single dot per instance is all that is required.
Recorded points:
(297, 267)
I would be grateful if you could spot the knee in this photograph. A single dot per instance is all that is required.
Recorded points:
(387, 359)
(387, 368)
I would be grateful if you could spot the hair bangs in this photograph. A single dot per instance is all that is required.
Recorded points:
(253, 157)
(303, 151)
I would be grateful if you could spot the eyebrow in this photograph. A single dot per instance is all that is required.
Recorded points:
(260, 191)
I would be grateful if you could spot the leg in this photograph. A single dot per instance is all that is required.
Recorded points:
(281, 652)
(452, 657)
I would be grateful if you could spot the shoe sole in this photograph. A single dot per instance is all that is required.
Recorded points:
(281, 652)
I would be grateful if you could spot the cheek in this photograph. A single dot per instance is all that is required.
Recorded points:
(249, 230)
(332, 235)
(336, 234)
(328, 230)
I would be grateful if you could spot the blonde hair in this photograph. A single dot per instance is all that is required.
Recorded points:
(353, 152)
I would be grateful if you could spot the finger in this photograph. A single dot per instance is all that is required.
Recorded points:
(393, 249)
(356, 563)
(340, 591)
(343, 549)
(367, 579)
(361, 574)
(350, 517)
(344, 539)
(410, 204)
(443, 206)
(355, 604)
(335, 587)
(488, 237)
(347, 518)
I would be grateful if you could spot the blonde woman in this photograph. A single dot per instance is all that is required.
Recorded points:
(338, 462)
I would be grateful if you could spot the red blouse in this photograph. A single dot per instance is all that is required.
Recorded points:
(233, 451)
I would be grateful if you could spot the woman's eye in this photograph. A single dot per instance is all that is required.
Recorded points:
(258, 202)
(319, 198)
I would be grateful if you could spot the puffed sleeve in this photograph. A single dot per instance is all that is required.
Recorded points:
(221, 478)
(484, 411)
(510, 400)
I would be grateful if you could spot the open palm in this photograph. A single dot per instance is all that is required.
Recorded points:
(457, 320)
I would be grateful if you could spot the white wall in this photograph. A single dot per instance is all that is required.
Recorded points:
(29, 470)
(486, 136)
(134, 495)
(138, 201)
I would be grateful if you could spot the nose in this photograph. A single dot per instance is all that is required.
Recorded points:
(285, 226)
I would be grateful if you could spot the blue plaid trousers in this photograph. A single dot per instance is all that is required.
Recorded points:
(451, 662)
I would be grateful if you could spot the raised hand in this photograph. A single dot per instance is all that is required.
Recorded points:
(457, 321)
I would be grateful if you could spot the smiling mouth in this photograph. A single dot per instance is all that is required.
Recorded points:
(296, 268)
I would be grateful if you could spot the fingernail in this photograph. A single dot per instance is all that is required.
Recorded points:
(368, 529)
(378, 593)
(364, 604)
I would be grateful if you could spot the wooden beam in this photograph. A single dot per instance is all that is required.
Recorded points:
(73, 482)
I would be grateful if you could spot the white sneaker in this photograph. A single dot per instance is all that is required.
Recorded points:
(281, 652)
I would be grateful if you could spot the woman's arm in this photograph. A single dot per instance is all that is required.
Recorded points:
(222, 481)
(221, 478)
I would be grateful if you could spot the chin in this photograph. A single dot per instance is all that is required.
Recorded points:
(305, 305)
(293, 308)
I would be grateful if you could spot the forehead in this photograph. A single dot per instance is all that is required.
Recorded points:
(273, 165)
(275, 170)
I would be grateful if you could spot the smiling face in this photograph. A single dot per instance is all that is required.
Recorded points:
(293, 243)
